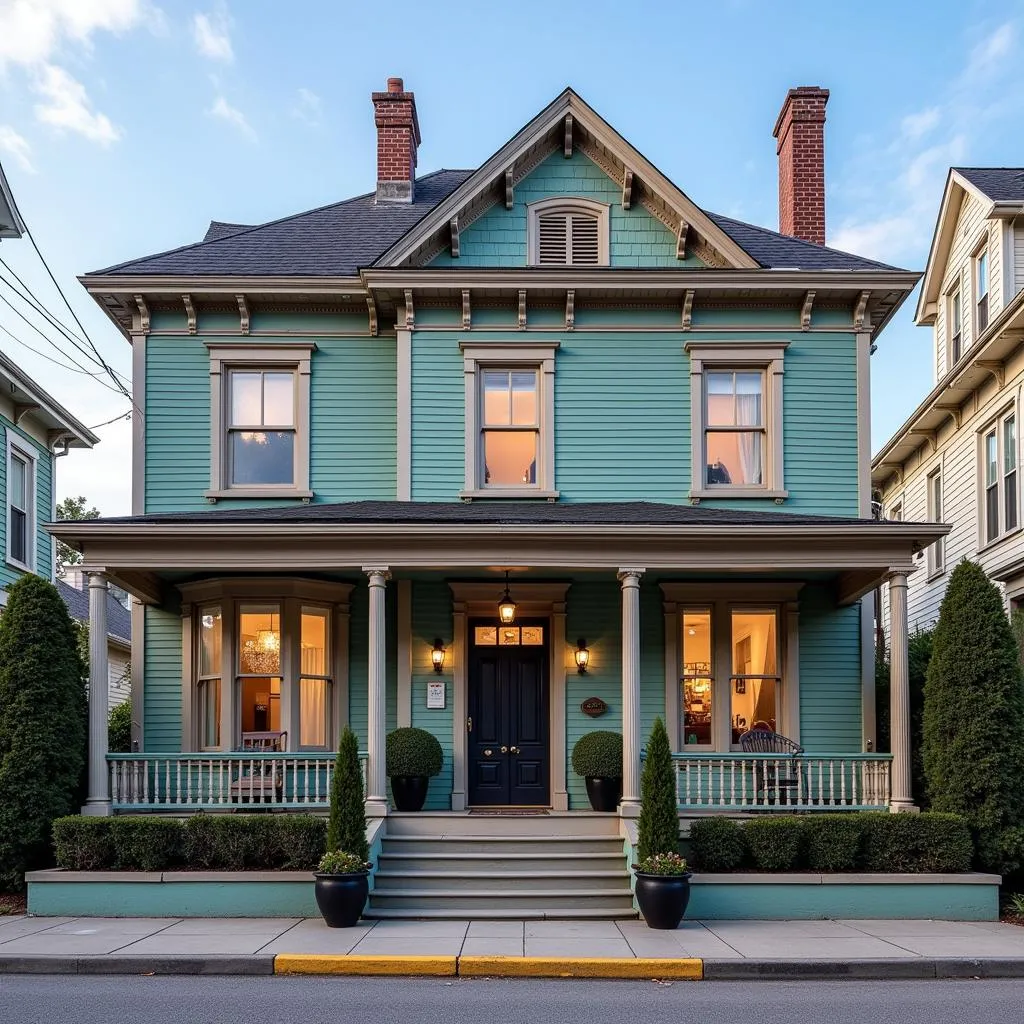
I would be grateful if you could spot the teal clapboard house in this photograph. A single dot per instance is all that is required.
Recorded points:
(554, 384)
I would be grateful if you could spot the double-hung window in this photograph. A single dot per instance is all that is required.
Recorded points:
(999, 477)
(21, 472)
(981, 288)
(736, 420)
(936, 553)
(208, 677)
(510, 420)
(260, 421)
(954, 327)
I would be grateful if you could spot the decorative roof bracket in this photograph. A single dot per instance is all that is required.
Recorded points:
(995, 367)
(568, 136)
(684, 230)
(143, 313)
(371, 309)
(509, 191)
(954, 410)
(467, 313)
(410, 312)
(190, 312)
(860, 312)
(687, 309)
(522, 309)
(453, 224)
(627, 188)
(243, 313)
(805, 311)
(570, 309)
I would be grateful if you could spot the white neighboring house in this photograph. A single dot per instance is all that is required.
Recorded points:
(73, 588)
(956, 458)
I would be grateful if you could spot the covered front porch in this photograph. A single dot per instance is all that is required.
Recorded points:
(297, 621)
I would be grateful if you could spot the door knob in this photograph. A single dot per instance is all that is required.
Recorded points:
(488, 752)
(514, 750)
(504, 750)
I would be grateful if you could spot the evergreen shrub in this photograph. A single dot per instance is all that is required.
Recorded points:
(717, 844)
(930, 842)
(119, 728)
(598, 755)
(411, 751)
(834, 842)
(776, 844)
(346, 828)
(84, 843)
(145, 844)
(658, 827)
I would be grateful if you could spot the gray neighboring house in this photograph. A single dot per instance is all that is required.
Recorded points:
(74, 591)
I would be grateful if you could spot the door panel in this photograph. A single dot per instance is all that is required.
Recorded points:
(508, 741)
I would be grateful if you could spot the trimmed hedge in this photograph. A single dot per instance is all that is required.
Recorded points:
(911, 843)
(204, 842)
(598, 755)
(409, 751)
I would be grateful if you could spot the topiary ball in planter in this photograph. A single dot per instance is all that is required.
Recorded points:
(597, 756)
(412, 758)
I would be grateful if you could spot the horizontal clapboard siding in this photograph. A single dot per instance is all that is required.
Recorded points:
(162, 692)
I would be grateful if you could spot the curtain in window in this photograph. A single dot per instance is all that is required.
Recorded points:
(313, 695)
(748, 414)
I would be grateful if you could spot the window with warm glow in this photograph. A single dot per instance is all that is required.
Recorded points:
(734, 428)
(698, 678)
(261, 429)
(510, 423)
(209, 679)
(755, 671)
(259, 667)
(315, 680)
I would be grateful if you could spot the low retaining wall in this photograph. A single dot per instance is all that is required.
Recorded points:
(750, 897)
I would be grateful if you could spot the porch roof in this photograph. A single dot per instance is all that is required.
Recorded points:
(147, 554)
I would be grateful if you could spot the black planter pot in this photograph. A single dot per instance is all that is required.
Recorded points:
(410, 791)
(604, 794)
(341, 898)
(662, 898)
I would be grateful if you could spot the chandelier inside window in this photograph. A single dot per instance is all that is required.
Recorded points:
(261, 655)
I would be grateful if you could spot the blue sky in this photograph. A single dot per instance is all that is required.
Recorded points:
(126, 125)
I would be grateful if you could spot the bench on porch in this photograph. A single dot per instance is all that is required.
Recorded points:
(259, 780)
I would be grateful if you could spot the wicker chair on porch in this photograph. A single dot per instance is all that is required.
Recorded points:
(261, 782)
(781, 781)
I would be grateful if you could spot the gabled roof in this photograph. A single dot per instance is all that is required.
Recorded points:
(1000, 184)
(119, 619)
(24, 392)
(11, 224)
(340, 239)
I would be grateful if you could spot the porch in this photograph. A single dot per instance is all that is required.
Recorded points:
(387, 578)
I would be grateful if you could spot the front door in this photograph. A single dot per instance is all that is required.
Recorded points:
(508, 714)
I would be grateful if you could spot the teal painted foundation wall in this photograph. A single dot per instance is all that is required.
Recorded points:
(44, 463)
(353, 420)
(498, 237)
(622, 425)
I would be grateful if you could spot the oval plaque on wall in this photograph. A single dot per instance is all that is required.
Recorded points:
(594, 707)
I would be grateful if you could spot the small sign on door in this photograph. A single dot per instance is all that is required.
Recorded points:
(435, 694)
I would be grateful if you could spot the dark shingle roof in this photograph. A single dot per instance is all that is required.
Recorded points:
(1000, 184)
(119, 619)
(332, 241)
(772, 249)
(337, 240)
(503, 513)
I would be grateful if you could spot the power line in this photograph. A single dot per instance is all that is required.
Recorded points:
(106, 423)
(96, 376)
(38, 303)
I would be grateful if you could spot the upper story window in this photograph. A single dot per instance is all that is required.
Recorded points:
(936, 553)
(21, 485)
(510, 420)
(568, 232)
(981, 288)
(999, 471)
(896, 513)
(259, 398)
(955, 326)
(736, 420)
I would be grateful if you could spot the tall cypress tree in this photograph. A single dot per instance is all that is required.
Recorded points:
(974, 715)
(658, 827)
(42, 725)
(346, 827)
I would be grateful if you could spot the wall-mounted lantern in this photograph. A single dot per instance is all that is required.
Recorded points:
(582, 656)
(437, 653)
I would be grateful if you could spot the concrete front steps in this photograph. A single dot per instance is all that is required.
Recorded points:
(455, 865)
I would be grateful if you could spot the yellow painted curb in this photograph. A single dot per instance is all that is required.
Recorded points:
(302, 963)
(579, 967)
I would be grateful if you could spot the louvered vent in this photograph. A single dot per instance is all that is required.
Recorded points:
(584, 244)
(568, 239)
(553, 231)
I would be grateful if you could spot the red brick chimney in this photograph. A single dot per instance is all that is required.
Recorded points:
(800, 130)
(398, 135)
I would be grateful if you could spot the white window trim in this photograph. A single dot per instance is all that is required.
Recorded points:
(955, 286)
(936, 559)
(995, 424)
(567, 204)
(31, 456)
(980, 246)
(722, 599)
(477, 356)
(767, 357)
(253, 356)
(291, 595)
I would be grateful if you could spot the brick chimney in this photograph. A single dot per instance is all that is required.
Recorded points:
(800, 130)
(398, 135)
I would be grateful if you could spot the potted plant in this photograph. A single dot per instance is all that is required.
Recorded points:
(412, 757)
(597, 756)
(662, 880)
(342, 884)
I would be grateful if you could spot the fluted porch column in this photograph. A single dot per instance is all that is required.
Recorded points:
(901, 797)
(376, 779)
(98, 796)
(630, 581)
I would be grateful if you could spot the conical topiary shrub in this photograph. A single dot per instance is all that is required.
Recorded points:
(658, 828)
(346, 828)
(974, 716)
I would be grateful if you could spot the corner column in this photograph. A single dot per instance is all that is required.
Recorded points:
(630, 581)
(98, 798)
(376, 780)
(901, 797)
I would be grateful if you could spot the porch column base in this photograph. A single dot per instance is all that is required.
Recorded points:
(376, 808)
(903, 807)
(98, 809)
(629, 809)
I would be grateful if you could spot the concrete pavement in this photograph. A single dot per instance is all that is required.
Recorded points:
(722, 949)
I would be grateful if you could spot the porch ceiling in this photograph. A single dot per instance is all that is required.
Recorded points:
(144, 553)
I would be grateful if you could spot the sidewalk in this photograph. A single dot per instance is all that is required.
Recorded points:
(712, 949)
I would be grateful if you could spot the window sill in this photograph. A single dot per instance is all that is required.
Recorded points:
(257, 492)
(934, 574)
(20, 566)
(498, 494)
(991, 544)
(726, 491)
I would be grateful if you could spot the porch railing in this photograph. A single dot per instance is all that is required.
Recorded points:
(222, 781)
(770, 782)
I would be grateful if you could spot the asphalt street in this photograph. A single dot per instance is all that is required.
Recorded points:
(197, 1000)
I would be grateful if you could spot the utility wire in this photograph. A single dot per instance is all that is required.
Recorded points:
(98, 376)
(106, 423)
(38, 303)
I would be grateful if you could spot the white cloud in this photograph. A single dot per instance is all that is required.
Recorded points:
(212, 34)
(65, 106)
(308, 108)
(916, 125)
(222, 109)
(991, 50)
(17, 145)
